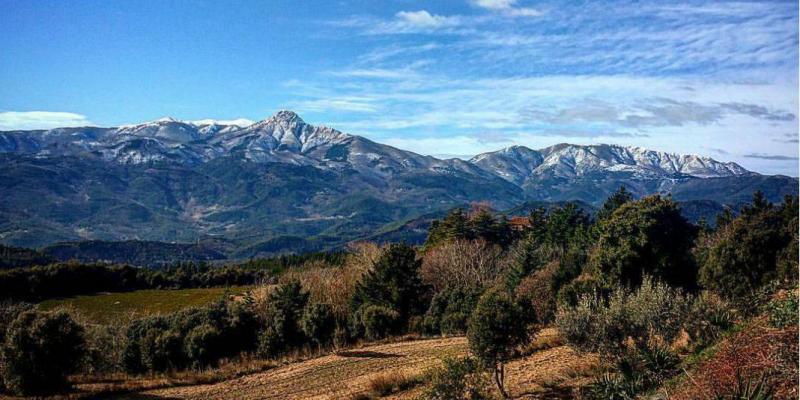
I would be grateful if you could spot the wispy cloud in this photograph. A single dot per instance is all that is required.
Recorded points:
(508, 7)
(669, 75)
(422, 19)
(11, 120)
(773, 157)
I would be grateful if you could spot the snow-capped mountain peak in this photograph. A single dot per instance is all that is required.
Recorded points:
(519, 164)
(285, 137)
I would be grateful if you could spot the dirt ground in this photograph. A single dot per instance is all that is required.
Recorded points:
(549, 372)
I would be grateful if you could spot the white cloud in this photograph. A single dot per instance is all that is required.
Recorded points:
(352, 104)
(507, 7)
(424, 19)
(12, 120)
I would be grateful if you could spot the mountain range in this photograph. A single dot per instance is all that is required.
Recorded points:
(282, 185)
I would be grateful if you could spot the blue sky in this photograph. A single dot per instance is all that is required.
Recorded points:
(447, 78)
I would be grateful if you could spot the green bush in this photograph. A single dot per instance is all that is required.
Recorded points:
(783, 313)
(652, 313)
(281, 320)
(318, 323)
(458, 379)
(39, 350)
(450, 310)
(104, 347)
(708, 318)
(612, 387)
(378, 322)
(203, 345)
(194, 337)
(162, 350)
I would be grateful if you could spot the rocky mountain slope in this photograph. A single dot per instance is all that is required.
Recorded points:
(284, 185)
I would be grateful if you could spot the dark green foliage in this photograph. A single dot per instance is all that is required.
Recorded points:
(394, 283)
(318, 323)
(69, 279)
(454, 225)
(282, 331)
(480, 225)
(565, 226)
(195, 337)
(201, 345)
(757, 247)
(278, 265)
(39, 351)
(377, 322)
(613, 202)
(135, 252)
(450, 310)
(458, 379)
(647, 236)
(496, 328)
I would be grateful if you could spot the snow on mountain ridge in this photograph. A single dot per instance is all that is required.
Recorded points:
(285, 137)
(518, 163)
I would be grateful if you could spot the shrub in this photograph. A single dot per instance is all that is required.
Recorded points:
(392, 382)
(104, 348)
(273, 340)
(612, 387)
(652, 314)
(708, 318)
(458, 379)
(281, 320)
(162, 349)
(377, 321)
(341, 337)
(318, 323)
(196, 337)
(40, 349)
(202, 345)
(450, 310)
(783, 312)
(496, 327)
(536, 293)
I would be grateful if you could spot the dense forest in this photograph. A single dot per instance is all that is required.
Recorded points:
(636, 283)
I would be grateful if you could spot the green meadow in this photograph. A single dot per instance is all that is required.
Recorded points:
(107, 307)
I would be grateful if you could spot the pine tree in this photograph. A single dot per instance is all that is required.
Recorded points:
(393, 282)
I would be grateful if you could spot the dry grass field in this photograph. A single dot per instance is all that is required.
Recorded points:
(551, 369)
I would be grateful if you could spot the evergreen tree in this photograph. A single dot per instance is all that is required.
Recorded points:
(496, 328)
(647, 236)
(615, 201)
(393, 282)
